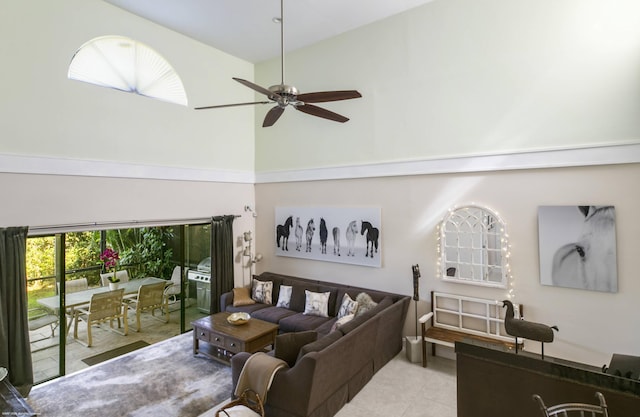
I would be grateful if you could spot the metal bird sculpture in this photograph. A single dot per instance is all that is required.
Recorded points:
(526, 329)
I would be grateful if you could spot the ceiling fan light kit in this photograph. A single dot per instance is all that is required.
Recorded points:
(284, 95)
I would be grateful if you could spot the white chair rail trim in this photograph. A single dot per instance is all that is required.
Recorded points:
(625, 153)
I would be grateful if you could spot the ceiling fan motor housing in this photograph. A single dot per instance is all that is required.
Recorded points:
(286, 92)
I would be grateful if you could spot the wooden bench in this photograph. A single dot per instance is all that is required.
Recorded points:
(455, 318)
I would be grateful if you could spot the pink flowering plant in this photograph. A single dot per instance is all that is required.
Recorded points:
(109, 259)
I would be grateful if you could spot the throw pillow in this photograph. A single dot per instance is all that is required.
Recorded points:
(365, 303)
(262, 291)
(347, 307)
(342, 320)
(316, 303)
(288, 345)
(284, 299)
(241, 297)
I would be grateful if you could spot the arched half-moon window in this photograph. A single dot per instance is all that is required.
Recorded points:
(127, 65)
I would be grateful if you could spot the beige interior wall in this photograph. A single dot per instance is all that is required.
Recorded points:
(50, 200)
(593, 325)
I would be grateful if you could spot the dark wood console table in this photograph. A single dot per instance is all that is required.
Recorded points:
(495, 382)
(223, 340)
(12, 403)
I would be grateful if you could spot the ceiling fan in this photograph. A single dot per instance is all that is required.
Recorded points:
(284, 95)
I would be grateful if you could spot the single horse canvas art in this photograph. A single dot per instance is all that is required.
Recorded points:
(578, 247)
(298, 234)
(358, 227)
(282, 233)
(372, 237)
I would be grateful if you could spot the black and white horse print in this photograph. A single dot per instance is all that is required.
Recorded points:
(324, 233)
(336, 240)
(372, 237)
(298, 232)
(282, 232)
(311, 228)
(590, 262)
(351, 233)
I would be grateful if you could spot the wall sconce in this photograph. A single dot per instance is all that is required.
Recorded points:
(247, 250)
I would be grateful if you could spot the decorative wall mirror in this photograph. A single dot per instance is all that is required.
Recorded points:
(473, 247)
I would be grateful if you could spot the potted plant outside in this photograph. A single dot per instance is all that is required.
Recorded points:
(109, 258)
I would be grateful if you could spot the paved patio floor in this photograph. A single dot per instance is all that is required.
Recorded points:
(46, 353)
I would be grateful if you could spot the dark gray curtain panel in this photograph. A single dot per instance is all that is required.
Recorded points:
(222, 271)
(15, 352)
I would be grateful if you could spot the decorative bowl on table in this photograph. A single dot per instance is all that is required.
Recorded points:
(238, 318)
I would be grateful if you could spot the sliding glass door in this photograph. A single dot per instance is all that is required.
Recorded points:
(64, 271)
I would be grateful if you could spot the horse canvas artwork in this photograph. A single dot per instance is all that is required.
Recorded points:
(358, 227)
(282, 233)
(311, 228)
(578, 247)
(352, 233)
(324, 233)
(298, 234)
(372, 237)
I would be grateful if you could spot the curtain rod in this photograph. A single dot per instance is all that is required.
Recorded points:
(81, 227)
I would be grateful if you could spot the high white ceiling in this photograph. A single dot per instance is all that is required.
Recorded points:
(244, 28)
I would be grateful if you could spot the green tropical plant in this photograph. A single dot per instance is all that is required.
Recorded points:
(145, 251)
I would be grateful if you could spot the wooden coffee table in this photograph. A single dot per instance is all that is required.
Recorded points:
(222, 340)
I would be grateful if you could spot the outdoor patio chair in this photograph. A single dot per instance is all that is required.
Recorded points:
(173, 289)
(74, 285)
(149, 297)
(40, 317)
(574, 409)
(123, 275)
(71, 286)
(103, 307)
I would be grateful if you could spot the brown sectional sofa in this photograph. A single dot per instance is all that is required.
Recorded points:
(332, 370)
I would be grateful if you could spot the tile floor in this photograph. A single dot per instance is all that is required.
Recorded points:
(405, 389)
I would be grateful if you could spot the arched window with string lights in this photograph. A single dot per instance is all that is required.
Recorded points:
(473, 247)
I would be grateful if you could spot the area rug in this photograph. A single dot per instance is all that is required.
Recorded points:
(114, 353)
(164, 379)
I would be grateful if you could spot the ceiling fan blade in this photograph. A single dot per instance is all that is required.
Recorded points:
(232, 105)
(272, 116)
(324, 96)
(320, 112)
(259, 89)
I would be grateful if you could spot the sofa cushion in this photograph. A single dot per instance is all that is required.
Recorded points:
(272, 314)
(288, 345)
(284, 296)
(334, 302)
(326, 327)
(241, 297)
(316, 303)
(299, 322)
(261, 291)
(347, 307)
(249, 308)
(298, 297)
(319, 344)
